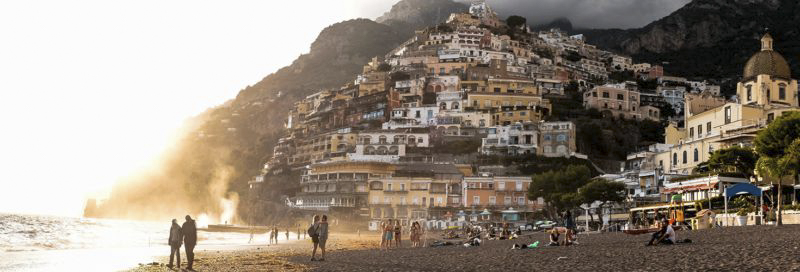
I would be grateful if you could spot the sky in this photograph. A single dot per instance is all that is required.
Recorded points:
(91, 91)
(589, 13)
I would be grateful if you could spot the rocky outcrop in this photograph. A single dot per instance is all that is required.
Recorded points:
(409, 15)
(709, 38)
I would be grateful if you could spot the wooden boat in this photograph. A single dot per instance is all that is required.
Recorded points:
(235, 228)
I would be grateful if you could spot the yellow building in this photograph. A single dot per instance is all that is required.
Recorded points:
(416, 191)
(766, 92)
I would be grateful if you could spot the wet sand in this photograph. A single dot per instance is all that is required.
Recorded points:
(755, 248)
(262, 257)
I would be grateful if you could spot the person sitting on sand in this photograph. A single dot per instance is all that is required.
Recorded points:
(313, 233)
(175, 241)
(554, 236)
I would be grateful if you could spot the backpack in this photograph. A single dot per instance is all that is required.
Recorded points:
(312, 231)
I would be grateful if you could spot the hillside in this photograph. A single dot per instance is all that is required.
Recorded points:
(709, 38)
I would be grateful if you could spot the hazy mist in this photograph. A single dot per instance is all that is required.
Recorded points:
(589, 13)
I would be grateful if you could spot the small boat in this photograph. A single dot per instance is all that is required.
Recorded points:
(235, 228)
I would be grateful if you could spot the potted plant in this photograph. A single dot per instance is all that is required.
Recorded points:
(741, 216)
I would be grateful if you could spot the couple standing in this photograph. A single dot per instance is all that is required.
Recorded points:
(186, 234)
(319, 235)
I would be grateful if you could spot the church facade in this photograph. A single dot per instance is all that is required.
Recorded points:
(765, 92)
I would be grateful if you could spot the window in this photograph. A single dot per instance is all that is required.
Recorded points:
(782, 92)
(547, 137)
(415, 201)
(699, 131)
(439, 200)
(487, 103)
(455, 105)
(749, 93)
(388, 187)
(501, 186)
(418, 114)
(497, 90)
(521, 201)
(492, 200)
(475, 103)
(605, 95)
(441, 70)
(507, 201)
(708, 128)
(770, 117)
(476, 200)
(674, 158)
(594, 94)
(620, 97)
(691, 132)
(519, 186)
(685, 157)
(696, 155)
(561, 138)
(727, 115)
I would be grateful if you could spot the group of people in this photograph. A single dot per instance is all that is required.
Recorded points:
(318, 231)
(273, 235)
(392, 231)
(185, 235)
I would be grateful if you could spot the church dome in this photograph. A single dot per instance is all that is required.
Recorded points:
(767, 62)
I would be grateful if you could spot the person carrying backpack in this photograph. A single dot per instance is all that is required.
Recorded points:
(312, 232)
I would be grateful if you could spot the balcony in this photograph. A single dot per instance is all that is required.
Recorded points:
(395, 191)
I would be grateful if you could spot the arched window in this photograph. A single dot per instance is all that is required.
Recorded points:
(442, 106)
(696, 155)
(749, 92)
(455, 105)
(674, 158)
(382, 150)
(685, 157)
(438, 88)
(382, 139)
(369, 150)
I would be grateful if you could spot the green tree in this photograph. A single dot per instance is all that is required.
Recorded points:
(558, 188)
(734, 159)
(515, 21)
(603, 191)
(775, 145)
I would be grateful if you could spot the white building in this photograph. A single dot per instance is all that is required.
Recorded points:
(516, 139)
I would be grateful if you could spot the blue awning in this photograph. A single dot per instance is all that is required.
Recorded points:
(742, 188)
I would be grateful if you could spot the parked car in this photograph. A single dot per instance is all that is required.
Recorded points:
(544, 225)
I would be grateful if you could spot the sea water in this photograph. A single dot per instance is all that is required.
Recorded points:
(50, 243)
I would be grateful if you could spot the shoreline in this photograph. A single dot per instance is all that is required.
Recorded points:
(261, 257)
(721, 249)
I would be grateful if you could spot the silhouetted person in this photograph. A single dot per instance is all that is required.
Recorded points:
(189, 239)
(175, 241)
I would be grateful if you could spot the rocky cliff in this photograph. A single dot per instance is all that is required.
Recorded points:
(709, 38)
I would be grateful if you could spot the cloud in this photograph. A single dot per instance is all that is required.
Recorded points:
(589, 13)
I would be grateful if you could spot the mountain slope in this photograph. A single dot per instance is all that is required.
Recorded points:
(709, 38)
(409, 15)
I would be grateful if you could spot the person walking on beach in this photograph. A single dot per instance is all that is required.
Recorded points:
(398, 230)
(322, 233)
(388, 230)
(287, 234)
(189, 240)
(312, 232)
(174, 241)
(298, 232)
